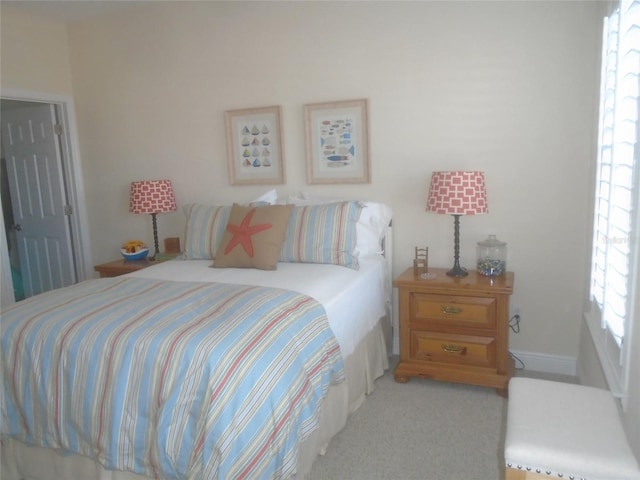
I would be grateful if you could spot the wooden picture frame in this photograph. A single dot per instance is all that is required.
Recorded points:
(254, 146)
(337, 142)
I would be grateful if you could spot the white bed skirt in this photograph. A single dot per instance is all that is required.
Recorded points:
(363, 366)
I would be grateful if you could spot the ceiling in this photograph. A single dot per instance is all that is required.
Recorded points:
(73, 10)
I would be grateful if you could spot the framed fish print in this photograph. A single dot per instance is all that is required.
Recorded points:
(254, 146)
(337, 142)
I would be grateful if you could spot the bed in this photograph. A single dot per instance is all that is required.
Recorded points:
(312, 335)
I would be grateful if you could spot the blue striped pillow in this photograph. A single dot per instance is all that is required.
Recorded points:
(322, 234)
(204, 231)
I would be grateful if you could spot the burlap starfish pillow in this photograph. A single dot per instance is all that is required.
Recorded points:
(253, 237)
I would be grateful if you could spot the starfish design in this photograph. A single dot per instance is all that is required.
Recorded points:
(242, 233)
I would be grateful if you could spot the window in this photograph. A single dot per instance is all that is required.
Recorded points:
(614, 280)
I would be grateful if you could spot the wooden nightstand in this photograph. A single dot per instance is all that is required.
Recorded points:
(122, 266)
(455, 329)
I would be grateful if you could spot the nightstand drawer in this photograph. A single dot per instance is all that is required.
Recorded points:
(447, 309)
(453, 348)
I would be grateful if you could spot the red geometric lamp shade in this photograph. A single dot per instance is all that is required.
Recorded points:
(457, 193)
(152, 196)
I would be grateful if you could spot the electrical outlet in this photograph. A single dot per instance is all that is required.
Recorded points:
(515, 310)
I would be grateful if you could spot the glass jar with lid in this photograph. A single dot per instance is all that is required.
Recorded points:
(492, 257)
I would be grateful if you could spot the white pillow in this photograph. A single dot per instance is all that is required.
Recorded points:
(269, 197)
(371, 225)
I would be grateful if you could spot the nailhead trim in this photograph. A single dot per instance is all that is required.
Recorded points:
(538, 470)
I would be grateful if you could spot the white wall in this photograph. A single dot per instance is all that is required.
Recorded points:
(35, 53)
(508, 88)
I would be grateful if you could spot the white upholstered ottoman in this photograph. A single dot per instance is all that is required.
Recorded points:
(561, 430)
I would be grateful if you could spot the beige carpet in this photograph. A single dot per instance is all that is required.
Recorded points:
(421, 430)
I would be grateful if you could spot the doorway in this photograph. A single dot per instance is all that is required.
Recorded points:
(52, 269)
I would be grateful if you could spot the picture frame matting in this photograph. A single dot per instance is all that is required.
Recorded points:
(337, 142)
(254, 146)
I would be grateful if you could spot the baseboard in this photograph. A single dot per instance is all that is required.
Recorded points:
(539, 362)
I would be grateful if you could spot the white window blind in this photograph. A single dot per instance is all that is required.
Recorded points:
(616, 218)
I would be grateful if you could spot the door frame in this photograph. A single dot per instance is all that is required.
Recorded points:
(73, 181)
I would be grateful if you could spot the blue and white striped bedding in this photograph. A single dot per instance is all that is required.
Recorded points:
(169, 379)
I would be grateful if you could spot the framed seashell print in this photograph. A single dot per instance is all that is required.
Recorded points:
(254, 146)
(337, 142)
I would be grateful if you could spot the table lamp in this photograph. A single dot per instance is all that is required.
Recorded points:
(152, 196)
(457, 193)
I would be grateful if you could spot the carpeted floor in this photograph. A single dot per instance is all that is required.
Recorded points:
(424, 430)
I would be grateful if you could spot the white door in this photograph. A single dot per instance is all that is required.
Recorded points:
(34, 166)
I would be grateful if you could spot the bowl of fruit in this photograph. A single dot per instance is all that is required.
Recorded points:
(134, 250)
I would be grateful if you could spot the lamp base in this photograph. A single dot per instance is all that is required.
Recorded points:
(457, 271)
(154, 221)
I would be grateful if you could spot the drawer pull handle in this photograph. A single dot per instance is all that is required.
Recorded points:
(451, 310)
(451, 348)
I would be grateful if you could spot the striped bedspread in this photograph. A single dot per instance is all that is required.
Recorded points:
(173, 380)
